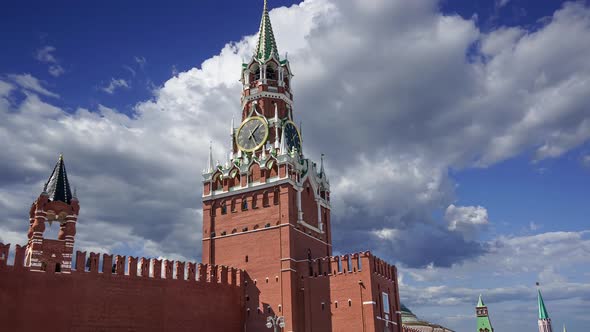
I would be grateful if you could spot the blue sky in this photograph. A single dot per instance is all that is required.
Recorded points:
(456, 133)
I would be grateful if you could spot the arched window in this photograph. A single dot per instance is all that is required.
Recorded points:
(217, 182)
(265, 199)
(57, 267)
(276, 197)
(244, 204)
(256, 72)
(224, 208)
(273, 169)
(254, 201)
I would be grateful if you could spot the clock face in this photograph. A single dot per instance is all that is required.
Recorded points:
(252, 134)
(292, 136)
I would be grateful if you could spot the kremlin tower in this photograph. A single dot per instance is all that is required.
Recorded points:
(55, 204)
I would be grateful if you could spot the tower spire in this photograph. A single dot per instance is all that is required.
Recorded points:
(267, 46)
(58, 186)
(480, 302)
(544, 320)
(542, 309)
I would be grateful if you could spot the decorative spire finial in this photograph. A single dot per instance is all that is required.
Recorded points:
(210, 160)
(232, 136)
(283, 146)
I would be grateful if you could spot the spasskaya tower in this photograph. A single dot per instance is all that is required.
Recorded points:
(268, 206)
(266, 210)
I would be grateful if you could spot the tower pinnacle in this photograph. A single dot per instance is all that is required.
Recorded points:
(267, 46)
(480, 302)
(58, 186)
(542, 310)
(544, 320)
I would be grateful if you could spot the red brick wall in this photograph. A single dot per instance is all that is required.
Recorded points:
(362, 286)
(92, 301)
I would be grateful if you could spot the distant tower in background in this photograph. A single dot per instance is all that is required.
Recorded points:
(483, 320)
(544, 320)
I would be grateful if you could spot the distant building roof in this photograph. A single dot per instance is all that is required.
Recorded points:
(411, 320)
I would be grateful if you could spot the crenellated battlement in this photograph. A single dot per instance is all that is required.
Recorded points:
(117, 266)
(153, 268)
(18, 258)
(333, 266)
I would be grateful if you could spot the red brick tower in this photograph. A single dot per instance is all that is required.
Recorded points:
(56, 203)
(268, 207)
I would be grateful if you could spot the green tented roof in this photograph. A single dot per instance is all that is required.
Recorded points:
(267, 46)
(542, 310)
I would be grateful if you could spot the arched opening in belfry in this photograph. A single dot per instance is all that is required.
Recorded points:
(57, 267)
(53, 225)
(255, 72)
(271, 73)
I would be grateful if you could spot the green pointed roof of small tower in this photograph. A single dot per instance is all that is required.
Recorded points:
(483, 320)
(480, 302)
(542, 310)
(267, 46)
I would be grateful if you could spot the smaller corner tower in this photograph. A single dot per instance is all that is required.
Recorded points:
(483, 319)
(55, 204)
(544, 320)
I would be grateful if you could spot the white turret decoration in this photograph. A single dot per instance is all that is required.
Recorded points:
(301, 132)
(232, 136)
(283, 146)
(276, 126)
(210, 160)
